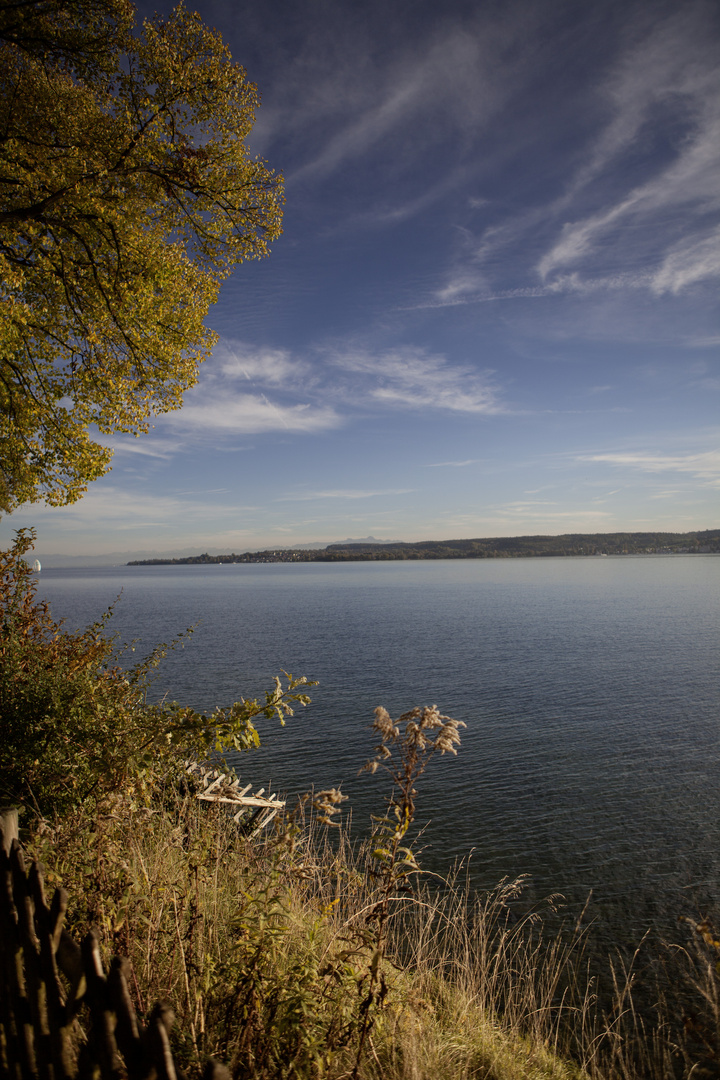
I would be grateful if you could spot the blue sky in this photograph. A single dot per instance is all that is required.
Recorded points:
(493, 310)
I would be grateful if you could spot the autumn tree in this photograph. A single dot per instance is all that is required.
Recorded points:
(127, 193)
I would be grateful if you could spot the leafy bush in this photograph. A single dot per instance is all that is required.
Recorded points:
(301, 956)
(76, 725)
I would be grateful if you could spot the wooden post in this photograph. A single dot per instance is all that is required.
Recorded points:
(9, 823)
(40, 1038)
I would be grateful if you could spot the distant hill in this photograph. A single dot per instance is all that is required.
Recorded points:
(508, 547)
(343, 543)
(51, 559)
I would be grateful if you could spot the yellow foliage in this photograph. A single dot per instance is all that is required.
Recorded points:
(127, 193)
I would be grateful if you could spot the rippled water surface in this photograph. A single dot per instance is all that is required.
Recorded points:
(589, 687)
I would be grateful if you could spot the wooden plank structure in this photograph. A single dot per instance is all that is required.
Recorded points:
(61, 1016)
(255, 810)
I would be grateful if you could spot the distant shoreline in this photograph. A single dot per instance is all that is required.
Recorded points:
(706, 542)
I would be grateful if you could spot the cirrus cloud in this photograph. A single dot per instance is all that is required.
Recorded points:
(249, 414)
(412, 378)
(703, 466)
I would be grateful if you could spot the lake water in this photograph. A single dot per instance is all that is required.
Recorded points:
(589, 687)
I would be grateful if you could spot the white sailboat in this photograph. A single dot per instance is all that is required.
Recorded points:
(36, 566)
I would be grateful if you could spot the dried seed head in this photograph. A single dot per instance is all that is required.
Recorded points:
(448, 738)
(327, 803)
(384, 725)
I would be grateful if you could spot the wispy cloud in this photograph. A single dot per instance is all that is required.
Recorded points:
(135, 523)
(386, 212)
(367, 129)
(639, 209)
(521, 505)
(247, 414)
(671, 77)
(120, 510)
(143, 445)
(247, 390)
(703, 466)
(672, 63)
(450, 79)
(413, 378)
(688, 263)
(347, 493)
(474, 290)
(450, 464)
(549, 518)
(513, 519)
(257, 364)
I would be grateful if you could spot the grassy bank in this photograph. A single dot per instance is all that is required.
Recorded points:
(301, 954)
(275, 959)
(267, 950)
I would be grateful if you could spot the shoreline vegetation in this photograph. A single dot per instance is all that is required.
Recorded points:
(303, 955)
(703, 542)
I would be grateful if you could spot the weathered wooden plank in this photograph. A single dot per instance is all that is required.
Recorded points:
(18, 968)
(216, 783)
(9, 825)
(102, 1032)
(48, 925)
(128, 1032)
(13, 1051)
(161, 1021)
(247, 801)
(39, 1039)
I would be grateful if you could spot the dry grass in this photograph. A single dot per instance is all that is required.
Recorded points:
(264, 951)
(303, 955)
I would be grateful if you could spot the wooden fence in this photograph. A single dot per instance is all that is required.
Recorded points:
(252, 811)
(61, 1016)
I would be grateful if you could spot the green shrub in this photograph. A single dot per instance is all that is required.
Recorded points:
(266, 950)
(302, 956)
(75, 725)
